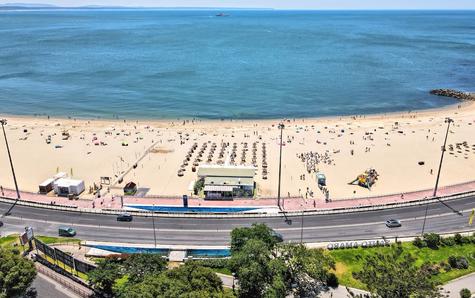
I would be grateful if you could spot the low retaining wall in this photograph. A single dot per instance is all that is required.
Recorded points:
(243, 215)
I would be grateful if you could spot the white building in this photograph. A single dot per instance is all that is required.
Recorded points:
(227, 181)
(66, 187)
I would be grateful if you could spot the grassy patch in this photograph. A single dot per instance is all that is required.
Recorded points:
(222, 271)
(9, 240)
(229, 292)
(350, 260)
(56, 240)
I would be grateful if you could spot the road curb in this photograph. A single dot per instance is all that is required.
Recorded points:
(352, 209)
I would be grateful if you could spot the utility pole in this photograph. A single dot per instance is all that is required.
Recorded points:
(153, 223)
(3, 122)
(448, 121)
(281, 127)
(443, 149)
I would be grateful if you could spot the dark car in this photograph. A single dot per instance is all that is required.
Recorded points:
(277, 236)
(124, 217)
(66, 232)
(393, 223)
(1, 223)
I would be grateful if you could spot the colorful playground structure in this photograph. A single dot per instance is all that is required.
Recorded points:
(367, 179)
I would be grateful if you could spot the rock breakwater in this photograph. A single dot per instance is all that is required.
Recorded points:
(462, 96)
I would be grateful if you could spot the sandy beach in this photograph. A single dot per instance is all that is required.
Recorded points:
(404, 148)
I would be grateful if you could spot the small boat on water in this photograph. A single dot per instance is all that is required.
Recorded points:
(222, 14)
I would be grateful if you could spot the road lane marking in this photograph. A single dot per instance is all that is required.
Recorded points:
(298, 228)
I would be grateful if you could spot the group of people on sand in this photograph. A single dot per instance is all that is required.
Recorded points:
(313, 159)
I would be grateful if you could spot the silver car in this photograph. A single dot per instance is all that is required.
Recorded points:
(393, 223)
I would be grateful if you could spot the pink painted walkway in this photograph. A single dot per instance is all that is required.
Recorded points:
(289, 204)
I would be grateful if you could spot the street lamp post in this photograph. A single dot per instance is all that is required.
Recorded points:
(443, 149)
(3, 122)
(153, 223)
(301, 228)
(281, 127)
(448, 121)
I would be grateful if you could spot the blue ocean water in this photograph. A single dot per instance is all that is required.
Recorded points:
(252, 64)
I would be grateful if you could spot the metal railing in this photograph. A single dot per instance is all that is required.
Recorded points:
(292, 213)
(63, 280)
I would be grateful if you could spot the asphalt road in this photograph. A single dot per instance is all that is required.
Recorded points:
(212, 231)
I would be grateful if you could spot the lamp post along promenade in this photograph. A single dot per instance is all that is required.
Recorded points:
(3, 122)
(281, 127)
(448, 121)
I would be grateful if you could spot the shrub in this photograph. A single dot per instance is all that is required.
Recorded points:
(462, 263)
(465, 293)
(199, 184)
(332, 280)
(212, 263)
(431, 269)
(418, 242)
(466, 239)
(449, 241)
(452, 261)
(458, 238)
(445, 266)
(432, 240)
(458, 262)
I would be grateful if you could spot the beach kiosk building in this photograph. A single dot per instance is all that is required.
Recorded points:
(130, 189)
(68, 187)
(46, 186)
(227, 181)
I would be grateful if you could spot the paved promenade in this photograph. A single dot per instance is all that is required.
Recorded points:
(288, 204)
(452, 288)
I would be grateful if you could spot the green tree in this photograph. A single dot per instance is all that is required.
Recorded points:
(187, 281)
(138, 266)
(393, 274)
(239, 236)
(307, 269)
(252, 264)
(465, 293)
(105, 275)
(16, 274)
(432, 240)
(266, 268)
(198, 186)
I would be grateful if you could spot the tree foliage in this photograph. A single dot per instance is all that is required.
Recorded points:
(394, 274)
(307, 269)
(465, 293)
(432, 240)
(239, 236)
(187, 281)
(267, 268)
(138, 266)
(198, 186)
(105, 275)
(146, 275)
(16, 274)
(252, 264)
